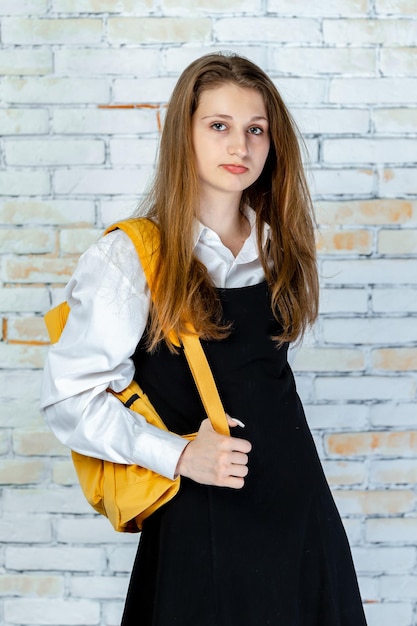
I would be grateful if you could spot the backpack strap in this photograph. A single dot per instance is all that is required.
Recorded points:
(145, 236)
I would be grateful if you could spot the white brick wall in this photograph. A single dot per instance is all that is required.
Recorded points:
(82, 95)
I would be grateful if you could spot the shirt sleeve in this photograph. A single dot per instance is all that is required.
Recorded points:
(109, 302)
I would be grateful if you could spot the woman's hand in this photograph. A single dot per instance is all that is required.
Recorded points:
(213, 459)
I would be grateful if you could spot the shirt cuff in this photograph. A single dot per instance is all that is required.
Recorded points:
(159, 450)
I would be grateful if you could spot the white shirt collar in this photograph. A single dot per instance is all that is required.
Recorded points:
(201, 231)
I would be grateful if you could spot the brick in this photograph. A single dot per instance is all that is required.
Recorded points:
(121, 558)
(71, 559)
(11, 384)
(176, 59)
(369, 31)
(268, 29)
(320, 8)
(400, 300)
(17, 356)
(38, 270)
(395, 120)
(375, 271)
(353, 528)
(27, 329)
(24, 182)
(328, 359)
(23, 121)
(327, 182)
(365, 388)
(344, 473)
(106, 61)
(105, 121)
(23, 7)
(17, 528)
(369, 150)
(368, 330)
(395, 359)
(41, 611)
(394, 471)
(5, 443)
(133, 151)
(26, 61)
(64, 500)
(113, 210)
(187, 7)
(369, 589)
(341, 416)
(397, 242)
(398, 181)
(37, 443)
(384, 559)
(386, 614)
(152, 90)
(63, 473)
(26, 241)
(77, 240)
(343, 301)
(388, 414)
(101, 181)
(395, 7)
(300, 92)
(402, 587)
(345, 241)
(372, 90)
(372, 502)
(21, 472)
(52, 212)
(372, 212)
(47, 90)
(20, 412)
(372, 443)
(56, 152)
(152, 30)
(102, 6)
(403, 530)
(104, 587)
(95, 530)
(52, 31)
(327, 121)
(398, 61)
(312, 61)
(37, 585)
(113, 612)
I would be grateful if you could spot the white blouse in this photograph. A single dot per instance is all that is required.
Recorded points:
(109, 301)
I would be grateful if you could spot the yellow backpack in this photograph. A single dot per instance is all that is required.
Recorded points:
(128, 494)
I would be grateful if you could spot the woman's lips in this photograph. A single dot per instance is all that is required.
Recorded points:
(235, 169)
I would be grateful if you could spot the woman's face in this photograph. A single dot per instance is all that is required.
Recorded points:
(230, 134)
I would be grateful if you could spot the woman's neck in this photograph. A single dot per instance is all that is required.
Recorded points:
(227, 220)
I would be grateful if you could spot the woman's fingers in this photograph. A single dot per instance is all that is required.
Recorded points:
(212, 459)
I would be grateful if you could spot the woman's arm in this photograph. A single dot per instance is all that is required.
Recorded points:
(109, 302)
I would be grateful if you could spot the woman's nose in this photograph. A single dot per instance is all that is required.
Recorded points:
(238, 144)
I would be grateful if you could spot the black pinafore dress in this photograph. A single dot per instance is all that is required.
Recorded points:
(272, 553)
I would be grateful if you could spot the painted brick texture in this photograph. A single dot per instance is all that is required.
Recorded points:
(82, 95)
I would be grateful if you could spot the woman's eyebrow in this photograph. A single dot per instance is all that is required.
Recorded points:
(255, 118)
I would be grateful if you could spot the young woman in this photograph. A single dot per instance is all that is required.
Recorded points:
(253, 538)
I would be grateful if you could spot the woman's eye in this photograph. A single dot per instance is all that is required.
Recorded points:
(255, 130)
(218, 126)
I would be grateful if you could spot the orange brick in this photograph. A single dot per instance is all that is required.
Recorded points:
(395, 359)
(370, 443)
(387, 502)
(356, 241)
(367, 212)
(29, 330)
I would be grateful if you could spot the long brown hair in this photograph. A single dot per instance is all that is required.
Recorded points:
(280, 197)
